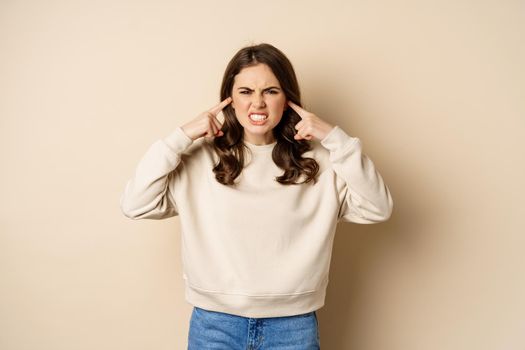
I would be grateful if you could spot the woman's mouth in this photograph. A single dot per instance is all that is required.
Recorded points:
(257, 119)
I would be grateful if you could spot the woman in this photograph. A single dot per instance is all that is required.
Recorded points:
(258, 197)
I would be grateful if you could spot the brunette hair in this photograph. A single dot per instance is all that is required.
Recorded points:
(287, 152)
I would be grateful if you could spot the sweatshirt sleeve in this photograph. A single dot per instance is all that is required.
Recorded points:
(367, 199)
(147, 195)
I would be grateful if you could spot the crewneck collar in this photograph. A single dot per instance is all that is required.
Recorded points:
(260, 148)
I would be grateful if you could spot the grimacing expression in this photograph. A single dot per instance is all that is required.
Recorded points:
(257, 90)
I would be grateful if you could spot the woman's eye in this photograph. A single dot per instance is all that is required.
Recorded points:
(245, 92)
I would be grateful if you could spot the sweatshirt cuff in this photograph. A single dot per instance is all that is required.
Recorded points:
(177, 140)
(338, 140)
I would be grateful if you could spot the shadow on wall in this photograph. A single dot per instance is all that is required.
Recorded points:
(362, 255)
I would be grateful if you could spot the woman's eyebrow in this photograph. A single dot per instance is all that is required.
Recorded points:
(268, 88)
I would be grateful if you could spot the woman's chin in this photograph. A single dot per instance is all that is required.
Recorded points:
(257, 130)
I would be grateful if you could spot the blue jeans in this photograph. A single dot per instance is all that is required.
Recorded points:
(222, 331)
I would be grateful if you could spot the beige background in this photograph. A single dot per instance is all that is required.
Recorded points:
(435, 90)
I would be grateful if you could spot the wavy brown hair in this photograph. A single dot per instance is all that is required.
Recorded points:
(287, 153)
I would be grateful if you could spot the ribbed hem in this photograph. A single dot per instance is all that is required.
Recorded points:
(336, 138)
(178, 141)
(257, 306)
(339, 143)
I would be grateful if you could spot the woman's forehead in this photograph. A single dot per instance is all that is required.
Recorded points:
(259, 76)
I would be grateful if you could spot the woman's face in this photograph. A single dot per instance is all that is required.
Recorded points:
(256, 90)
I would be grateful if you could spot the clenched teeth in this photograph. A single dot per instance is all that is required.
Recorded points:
(258, 117)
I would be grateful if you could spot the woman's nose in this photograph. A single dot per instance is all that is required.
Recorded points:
(258, 101)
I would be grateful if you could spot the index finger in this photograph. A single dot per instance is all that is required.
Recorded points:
(215, 110)
(298, 109)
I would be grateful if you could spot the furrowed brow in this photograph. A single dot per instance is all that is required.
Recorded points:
(268, 88)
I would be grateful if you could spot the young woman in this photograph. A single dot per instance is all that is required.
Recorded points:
(259, 197)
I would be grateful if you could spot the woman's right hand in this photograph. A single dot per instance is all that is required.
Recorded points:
(206, 123)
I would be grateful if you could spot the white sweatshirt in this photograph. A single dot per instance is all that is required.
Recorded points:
(261, 249)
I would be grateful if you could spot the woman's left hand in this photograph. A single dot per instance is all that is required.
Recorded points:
(310, 125)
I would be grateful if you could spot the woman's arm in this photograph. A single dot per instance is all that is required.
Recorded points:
(367, 199)
(147, 194)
